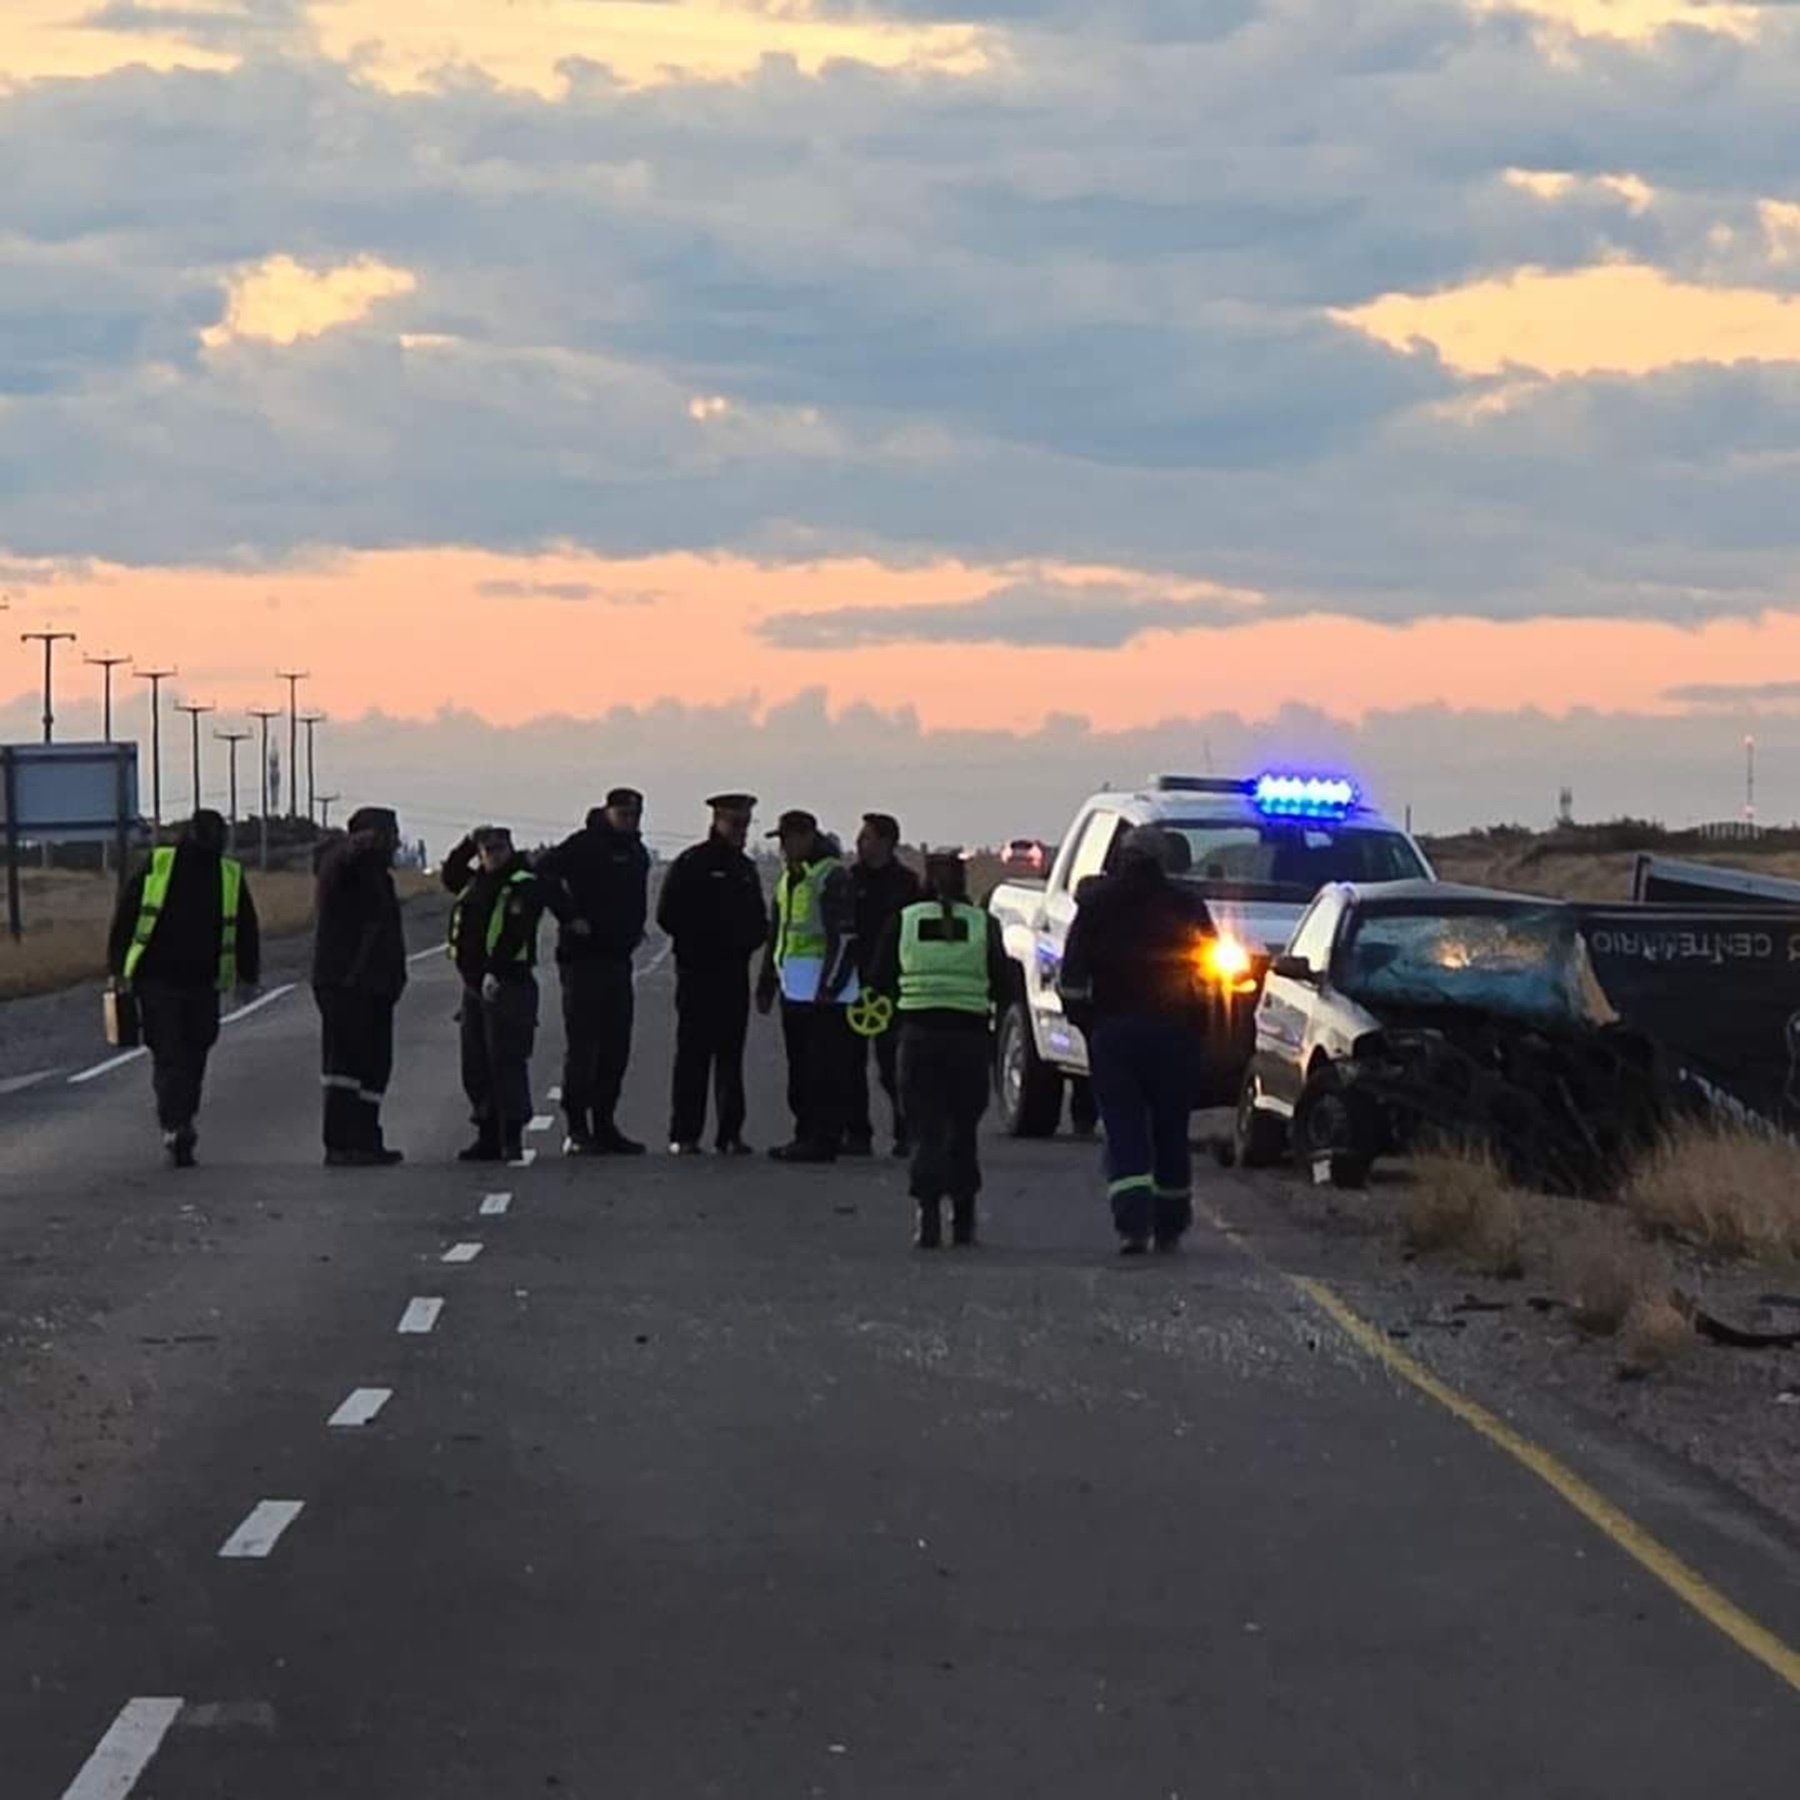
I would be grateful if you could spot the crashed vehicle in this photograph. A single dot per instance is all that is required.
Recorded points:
(1408, 1013)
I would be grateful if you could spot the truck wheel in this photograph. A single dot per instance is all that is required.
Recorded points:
(1328, 1128)
(1031, 1092)
(1261, 1136)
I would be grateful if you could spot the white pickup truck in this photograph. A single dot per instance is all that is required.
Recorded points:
(1258, 849)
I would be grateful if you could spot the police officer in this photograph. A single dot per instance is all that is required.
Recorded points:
(606, 870)
(712, 910)
(1130, 983)
(945, 962)
(884, 886)
(185, 932)
(493, 942)
(811, 965)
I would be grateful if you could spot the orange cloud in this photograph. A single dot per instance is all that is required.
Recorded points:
(280, 301)
(48, 38)
(1633, 20)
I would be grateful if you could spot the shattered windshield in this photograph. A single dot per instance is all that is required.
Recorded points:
(1525, 962)
(1290, 859)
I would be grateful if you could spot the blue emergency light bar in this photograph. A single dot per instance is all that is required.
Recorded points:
(1303, 796)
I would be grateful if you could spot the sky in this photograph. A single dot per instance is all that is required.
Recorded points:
(936, 405)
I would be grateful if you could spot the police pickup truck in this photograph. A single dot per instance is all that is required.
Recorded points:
(1257, 849)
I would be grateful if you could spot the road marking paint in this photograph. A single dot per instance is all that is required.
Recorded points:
(429, 950)
(523, 1160)
(461, 1253)
(420, 1316)
(556, 1096)
(256, 1005)
(17, 1084)
(107, 1067)
(261, 1530)
(1687, 1584)
(125, 1752)
(494, 1205)
(657, 961)
(540, 1122)
(361, 1406)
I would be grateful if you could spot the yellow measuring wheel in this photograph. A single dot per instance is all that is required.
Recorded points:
(871, 1015)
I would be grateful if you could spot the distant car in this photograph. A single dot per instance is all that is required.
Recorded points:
(1030, 856)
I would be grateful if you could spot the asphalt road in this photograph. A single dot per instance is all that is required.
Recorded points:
(703, 1483)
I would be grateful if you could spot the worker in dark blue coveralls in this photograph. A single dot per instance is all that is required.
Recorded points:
(1131, 984)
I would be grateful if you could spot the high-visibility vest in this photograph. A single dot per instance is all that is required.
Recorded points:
(944, 960)
(156, 896)
(496, 921)
(800, 913)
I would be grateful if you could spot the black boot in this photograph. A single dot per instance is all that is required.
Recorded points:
(962, 1222)
(512, 1142)
(180, 1147)
(609, 1140)
(486, 1147)
(931, 1225)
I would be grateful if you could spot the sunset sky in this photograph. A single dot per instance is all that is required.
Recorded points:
(942, 405)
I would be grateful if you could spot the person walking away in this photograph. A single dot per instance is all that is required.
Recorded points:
(884, 887)
(358, 976)
(1130, 983)
(811, 964)
(606, 870)
(711, 908)
(185, 932)
(493, 943)
(944, 962)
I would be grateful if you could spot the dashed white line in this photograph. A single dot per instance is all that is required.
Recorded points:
(420, 1316)
(461, 1253)
(493, 1205)
(125, 1752)
(107, 1067)
(261, 1530)
(540, 1122)
(256, 1005)
(523, 1160)
(556, 1096)
(361, 1406)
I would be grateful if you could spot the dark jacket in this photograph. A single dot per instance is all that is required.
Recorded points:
(184, 949)
(479, 892)
(712, 906)
(1133, 948)
(884, 978)
(359, 942)
(881, 896)
(607, 874)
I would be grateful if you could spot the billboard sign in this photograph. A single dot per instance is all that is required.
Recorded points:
(64, 793)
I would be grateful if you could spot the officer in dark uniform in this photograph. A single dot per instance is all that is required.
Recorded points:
(884, 887)
(358, 974)
(606, 870)
(713, 912)
(493, 942)
(1131, 984)
(185, 932)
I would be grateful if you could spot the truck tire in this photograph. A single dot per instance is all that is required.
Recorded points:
(1031, 1092)
(1261, 1137)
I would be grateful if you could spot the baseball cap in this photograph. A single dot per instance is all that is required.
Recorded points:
(794, 822)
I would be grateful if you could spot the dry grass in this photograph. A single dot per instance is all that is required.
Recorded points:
(1605, 1269)
(1653, 1334)
(67, 916)
(1529, 868)
(1463, 1206)
(1724, 1189)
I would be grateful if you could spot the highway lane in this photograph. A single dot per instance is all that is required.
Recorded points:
(702, 1483)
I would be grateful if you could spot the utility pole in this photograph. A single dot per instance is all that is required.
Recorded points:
(262, 715)
(326, 802)
(309, 720)
(195, 712)
(293, 677)
(233, 738)
(49, 639)
(106, 665)
(156, 677)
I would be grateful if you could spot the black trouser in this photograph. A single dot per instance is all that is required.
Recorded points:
(946, 1073)
(181, 1025)
(497, 1040)
(712, 1021)
(599, 1003)
(1143, 1075)
(356, 1058)
(820, 1047)
(859, 1123)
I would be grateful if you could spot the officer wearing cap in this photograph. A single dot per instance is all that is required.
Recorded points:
(712, 910)
(811, 964)
(606, 871)
(358, 975)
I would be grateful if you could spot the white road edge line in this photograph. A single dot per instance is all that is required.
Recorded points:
(429, 950)
(657, 961)
(420, 1316)
(124, 1753)
(360, 1407)
(461, 1253)
(230, 1018)
(17, 1084)
(262, 1528)
(107, 1067)
(261, 1000)
(493, 1205)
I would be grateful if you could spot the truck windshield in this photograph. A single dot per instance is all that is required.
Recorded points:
(1282, 860)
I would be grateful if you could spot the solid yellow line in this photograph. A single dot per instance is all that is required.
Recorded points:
(1757, 1640)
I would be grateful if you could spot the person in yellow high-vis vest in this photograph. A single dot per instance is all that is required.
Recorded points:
(184, 933)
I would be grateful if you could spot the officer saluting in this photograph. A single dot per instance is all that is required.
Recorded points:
(712, 910)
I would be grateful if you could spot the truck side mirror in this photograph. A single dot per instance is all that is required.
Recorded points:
(1294, 968)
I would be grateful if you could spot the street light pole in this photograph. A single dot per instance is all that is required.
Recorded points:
(309, 720)
(106, 665)
(326, 801)
(49, 639)
(156, 677)
(233, 738)
(262, 715)
(195, 711)
(293, 677)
